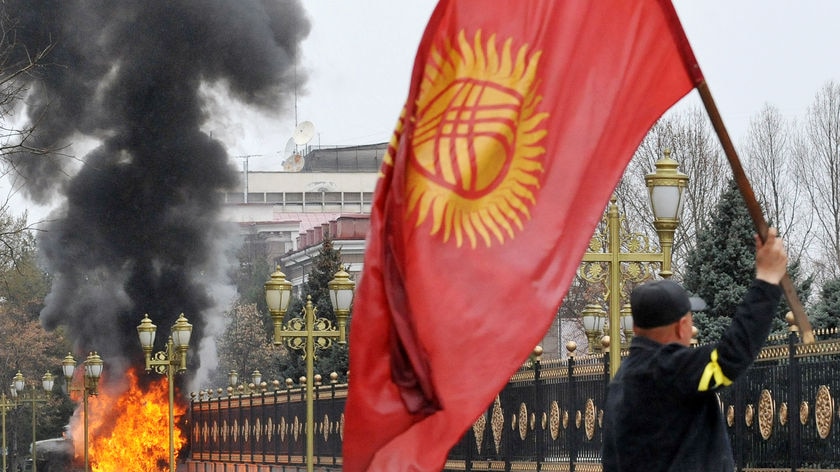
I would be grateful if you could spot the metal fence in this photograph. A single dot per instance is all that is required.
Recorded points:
(781, 416)
(266, 426)
(547, 418)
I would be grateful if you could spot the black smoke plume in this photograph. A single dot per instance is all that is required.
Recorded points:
(138, 230)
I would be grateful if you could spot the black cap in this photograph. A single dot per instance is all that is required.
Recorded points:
(661, 303)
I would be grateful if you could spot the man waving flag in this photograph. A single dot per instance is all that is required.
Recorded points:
(520, 120)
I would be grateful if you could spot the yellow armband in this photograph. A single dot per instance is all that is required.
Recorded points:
(713, 371)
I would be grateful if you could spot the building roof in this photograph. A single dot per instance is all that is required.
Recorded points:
(362, 158)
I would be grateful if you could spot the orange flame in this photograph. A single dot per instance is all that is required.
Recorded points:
(129, 431)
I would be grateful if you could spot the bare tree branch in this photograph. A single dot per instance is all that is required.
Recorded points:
(770, 155)
(689, 137)
(818, 174)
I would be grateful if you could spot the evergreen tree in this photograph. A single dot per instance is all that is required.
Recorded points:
(326, 265)
(336, 358)
(826, 312)
(251, 279)
(803, 284)
(722, 266)
(250, 285)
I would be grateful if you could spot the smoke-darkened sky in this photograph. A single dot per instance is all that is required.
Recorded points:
(137, 231)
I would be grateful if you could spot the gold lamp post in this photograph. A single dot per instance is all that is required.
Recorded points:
(6, 404)
(93, 370)
(307, 333)
(631, 256)
(233, 378)
(342, 290)
(666, 187)
(593, 316)
(32, 396)
(627, 323)
(256, 385)
(172, 359)
(13, 396)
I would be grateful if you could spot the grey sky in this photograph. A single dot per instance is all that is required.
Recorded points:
(360, 54)
(754, 52)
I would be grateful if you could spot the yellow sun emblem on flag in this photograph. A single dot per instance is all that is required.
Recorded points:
(477, 154)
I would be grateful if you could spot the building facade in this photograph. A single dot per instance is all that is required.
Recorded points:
(283, 215)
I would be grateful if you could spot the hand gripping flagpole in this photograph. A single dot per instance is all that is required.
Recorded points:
(753, 207)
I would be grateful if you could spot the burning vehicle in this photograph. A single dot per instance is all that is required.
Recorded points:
(136, 89)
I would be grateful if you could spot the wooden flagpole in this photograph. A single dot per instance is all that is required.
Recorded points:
(801, 318)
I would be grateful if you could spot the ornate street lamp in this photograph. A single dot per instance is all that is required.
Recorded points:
(666, 187)
(33, 396)
(6, 404)
(341, 295)
(235, 388)
(629, 255)
(307, 333)
(172, 359)
(93, 370)
(593, 317)
(278, 294)
(233, 378)
(627, 323)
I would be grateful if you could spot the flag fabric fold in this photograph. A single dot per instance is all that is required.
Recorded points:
(520, 119)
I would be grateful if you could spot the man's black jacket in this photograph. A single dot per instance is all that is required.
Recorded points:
(662, 412)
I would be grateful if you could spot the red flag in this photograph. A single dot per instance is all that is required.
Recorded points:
(521, 118)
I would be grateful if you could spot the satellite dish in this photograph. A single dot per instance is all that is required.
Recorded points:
(293, 163)
(304, 132)
(290, 148)
(297, 163)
